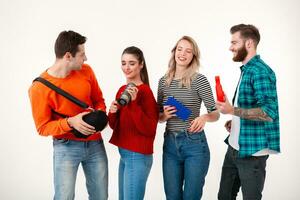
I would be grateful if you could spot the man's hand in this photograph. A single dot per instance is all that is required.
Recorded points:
(225, 107)
(228, 125)
(77, 123)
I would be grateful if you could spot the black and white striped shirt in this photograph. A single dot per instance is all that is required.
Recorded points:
(190, 97)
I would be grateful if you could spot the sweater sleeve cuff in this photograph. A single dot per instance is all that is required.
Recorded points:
(112, 115)
(64, 125)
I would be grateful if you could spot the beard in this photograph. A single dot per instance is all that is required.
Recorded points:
(241, 54)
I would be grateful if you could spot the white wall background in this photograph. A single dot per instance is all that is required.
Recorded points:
(29, 29)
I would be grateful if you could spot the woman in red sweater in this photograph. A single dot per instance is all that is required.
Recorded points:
(134, 126)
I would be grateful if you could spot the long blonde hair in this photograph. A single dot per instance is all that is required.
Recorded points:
(192, 68)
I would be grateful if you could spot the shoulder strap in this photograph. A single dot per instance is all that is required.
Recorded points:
(62, 92)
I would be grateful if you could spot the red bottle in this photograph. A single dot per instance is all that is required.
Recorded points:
(219, 90)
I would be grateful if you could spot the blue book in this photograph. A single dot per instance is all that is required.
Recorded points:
(181, 111)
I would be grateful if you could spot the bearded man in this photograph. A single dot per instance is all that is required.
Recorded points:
(254, 128)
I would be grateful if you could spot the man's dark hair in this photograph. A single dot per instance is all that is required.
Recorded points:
(68, 41)
(247, 31)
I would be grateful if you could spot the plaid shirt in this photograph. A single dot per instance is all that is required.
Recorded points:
(258, 90)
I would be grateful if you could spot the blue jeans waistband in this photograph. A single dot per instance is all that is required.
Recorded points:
(182, 132)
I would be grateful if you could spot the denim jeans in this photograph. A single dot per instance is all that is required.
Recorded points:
(186, 159)
(248, 173)
(67, 156)
(134, 169)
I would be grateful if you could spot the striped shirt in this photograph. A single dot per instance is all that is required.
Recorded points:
(190, 97)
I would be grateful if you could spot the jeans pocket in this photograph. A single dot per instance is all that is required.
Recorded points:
(148, 161)
(60, 141)
(168, 141)
(97, 142)
(166, 133)
(196, 137)
(260, 162)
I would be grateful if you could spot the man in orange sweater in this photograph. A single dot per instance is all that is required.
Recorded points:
(71, 74)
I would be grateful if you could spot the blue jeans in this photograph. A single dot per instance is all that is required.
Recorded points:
(185, 164)
(67, 156)
(134, 169)
(247, 172)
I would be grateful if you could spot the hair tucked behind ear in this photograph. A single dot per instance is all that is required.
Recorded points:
(140, 57)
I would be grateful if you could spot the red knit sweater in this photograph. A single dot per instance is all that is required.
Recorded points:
(134, 125)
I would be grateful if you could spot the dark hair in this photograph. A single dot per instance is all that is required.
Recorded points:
(140, 57)
(68, 41)
(247, 31)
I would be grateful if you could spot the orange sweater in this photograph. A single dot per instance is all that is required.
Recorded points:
(82, 84)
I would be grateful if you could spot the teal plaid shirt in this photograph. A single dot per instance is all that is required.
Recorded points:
(258, 90)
